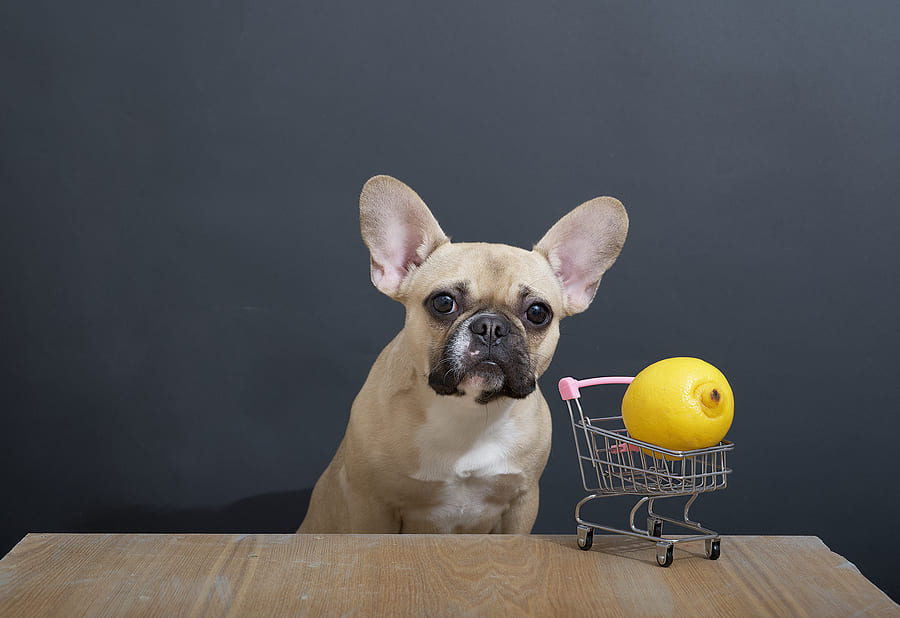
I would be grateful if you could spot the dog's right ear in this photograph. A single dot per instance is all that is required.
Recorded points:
(582, 246)
(399, 231)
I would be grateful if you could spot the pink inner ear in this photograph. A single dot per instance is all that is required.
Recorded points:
(394, 256)
(387, 279)
(577, 281)
(401, 247)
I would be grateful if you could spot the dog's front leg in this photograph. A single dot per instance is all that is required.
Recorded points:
(338, 505)
(522, 512)
(367, 513)
(372, 517)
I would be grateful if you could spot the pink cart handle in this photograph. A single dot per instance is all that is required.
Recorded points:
(568, 387)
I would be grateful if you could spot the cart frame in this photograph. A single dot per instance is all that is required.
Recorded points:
(615, 464)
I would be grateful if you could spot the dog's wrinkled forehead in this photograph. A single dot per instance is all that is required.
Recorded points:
(494, 274)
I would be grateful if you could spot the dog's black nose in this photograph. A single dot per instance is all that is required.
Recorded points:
(489, 327)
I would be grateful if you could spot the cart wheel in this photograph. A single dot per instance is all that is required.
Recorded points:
(664, 554)
(713, 549)
(585, 537)
(654, 526)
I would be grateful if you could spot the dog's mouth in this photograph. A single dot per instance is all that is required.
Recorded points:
(491, 368)
(488, 379)
(488, 372)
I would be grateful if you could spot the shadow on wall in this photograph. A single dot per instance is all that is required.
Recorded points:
(275, 513)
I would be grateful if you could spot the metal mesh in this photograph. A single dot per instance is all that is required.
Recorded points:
(614, 463)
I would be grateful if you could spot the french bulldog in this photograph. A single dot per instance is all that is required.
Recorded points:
(450, 432)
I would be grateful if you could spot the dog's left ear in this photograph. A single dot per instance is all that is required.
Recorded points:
(582, 246)
(399, 231)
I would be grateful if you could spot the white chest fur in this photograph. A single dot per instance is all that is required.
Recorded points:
(466, 447)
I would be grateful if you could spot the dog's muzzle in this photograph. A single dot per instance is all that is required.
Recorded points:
(488, 347)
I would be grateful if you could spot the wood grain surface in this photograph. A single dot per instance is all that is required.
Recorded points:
(462, 575)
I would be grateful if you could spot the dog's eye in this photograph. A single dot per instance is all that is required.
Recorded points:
(443, 304)
(538, 314)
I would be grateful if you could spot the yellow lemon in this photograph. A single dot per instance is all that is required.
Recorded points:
(679, 404)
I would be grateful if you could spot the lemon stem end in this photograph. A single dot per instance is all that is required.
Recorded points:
(711, 397)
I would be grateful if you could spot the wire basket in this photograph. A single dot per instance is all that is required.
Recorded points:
(614, 463)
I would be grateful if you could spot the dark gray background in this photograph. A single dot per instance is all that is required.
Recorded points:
(187, 312)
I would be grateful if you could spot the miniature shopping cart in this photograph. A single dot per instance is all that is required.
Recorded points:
(615, 464)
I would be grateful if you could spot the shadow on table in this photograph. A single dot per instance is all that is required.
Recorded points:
(274, 513)
(632, 548)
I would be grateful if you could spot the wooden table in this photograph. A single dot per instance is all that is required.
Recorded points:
(371, 575)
